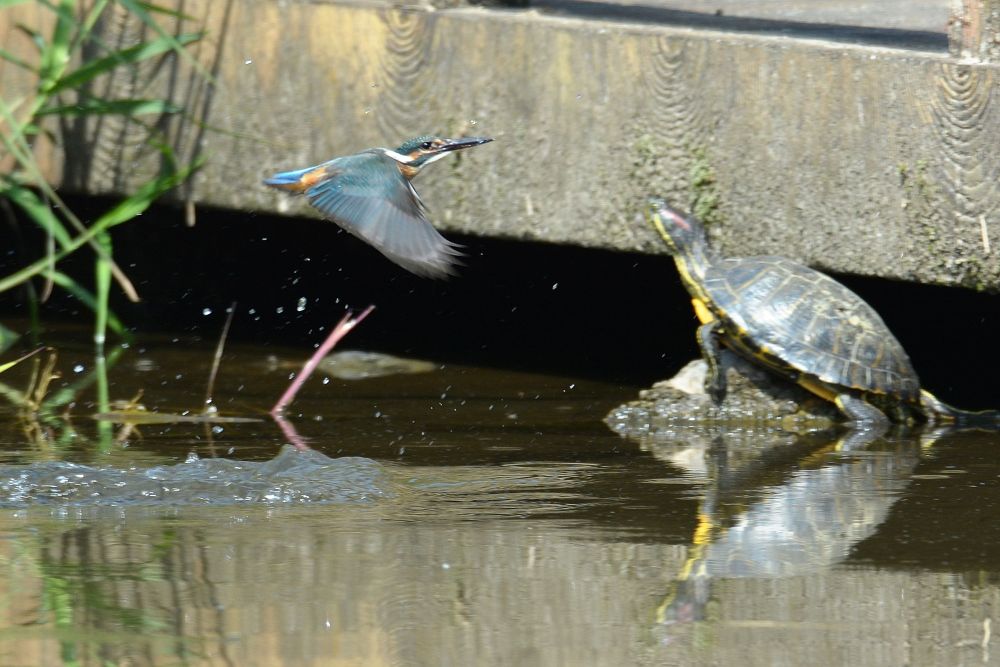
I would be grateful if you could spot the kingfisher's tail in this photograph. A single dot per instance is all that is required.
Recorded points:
(289, 180)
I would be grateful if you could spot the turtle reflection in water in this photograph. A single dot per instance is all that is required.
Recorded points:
(802, 324)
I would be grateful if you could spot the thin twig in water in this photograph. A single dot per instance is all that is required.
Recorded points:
(343, 327)
(210, 389)
(15, 362)
(984, 232)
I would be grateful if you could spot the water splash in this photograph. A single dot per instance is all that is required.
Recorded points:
(292, 477)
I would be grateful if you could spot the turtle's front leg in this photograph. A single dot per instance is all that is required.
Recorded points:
(708, 340)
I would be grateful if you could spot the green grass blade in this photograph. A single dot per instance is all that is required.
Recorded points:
(123, 212)
(102, 292)
(13, 138)
(138, 202)
(129, 56)
(11, 364)
(55, 57)
(33, 35)
(95, 107)
(84, 296)
(139, 9)
(7, 338)
(86, 26)
(157, 9)
(14, 60)
(40, 212)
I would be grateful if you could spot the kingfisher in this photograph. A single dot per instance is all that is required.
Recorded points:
(370, 195)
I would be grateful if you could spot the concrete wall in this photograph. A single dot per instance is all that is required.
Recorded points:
(861, 159)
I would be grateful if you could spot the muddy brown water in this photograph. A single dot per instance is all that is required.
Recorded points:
(475, 516)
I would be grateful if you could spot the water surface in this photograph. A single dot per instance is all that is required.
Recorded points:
(475, 516)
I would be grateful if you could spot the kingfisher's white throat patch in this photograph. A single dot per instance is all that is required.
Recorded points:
(398, 157)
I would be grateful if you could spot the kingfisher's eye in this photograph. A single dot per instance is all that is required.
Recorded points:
(427, 145)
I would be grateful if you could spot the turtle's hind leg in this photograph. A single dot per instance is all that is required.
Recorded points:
(861, 412)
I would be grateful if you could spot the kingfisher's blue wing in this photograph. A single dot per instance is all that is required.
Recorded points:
(368, 196)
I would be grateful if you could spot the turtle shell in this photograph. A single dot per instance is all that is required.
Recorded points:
(798, 320)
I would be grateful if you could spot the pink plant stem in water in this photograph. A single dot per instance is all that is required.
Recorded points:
(343, 327)
(291, 434)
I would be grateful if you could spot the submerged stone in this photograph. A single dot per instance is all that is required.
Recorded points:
(360, 365)
(755, 398)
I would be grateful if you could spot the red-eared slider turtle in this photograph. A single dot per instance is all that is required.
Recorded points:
(801, 323)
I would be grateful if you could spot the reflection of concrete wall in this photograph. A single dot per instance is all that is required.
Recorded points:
(339, 586)
(860, 159)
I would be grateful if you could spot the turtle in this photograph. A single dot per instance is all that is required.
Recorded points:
(802, 324)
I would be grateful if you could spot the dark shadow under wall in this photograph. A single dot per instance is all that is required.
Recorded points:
(590, 313)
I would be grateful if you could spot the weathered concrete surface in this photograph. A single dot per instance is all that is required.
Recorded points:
(852, 158)
(905, 14)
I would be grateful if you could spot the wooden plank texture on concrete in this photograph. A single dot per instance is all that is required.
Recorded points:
(854, 158)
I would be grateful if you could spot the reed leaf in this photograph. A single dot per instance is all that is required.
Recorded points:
(99, 107)
(14, 60)
(61, 71)
(130, 207)
(128, 56)
(37, 210)
(10, 364)
(55, 57)
(87, 298)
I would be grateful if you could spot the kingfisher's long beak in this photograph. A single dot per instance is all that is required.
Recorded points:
(464, 142)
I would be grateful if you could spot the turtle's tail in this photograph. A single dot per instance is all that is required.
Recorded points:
(939, 412)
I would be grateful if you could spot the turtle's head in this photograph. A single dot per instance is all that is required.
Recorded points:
(682, 234)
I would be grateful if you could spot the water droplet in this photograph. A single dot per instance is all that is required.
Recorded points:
(217, 429)
(79, 368)
(206, 311)
(326, 380)
(279, 310)
(301, 305)
(555, 285)
(248, 61)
